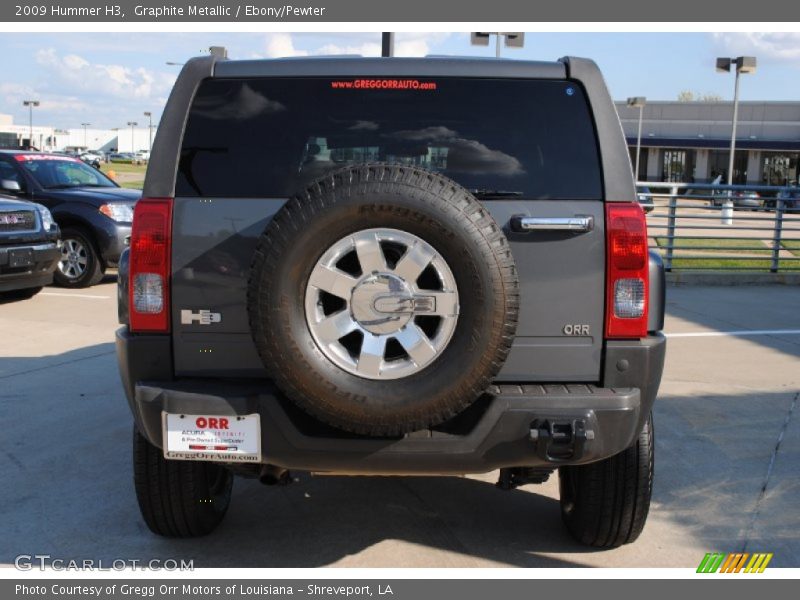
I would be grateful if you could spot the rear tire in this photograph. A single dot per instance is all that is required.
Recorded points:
(179, 498)
(605, 504)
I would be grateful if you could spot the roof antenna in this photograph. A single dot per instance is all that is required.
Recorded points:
(387, 44)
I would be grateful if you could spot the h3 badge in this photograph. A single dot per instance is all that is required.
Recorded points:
(201, 317)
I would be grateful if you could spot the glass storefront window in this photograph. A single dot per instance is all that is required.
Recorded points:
(678, 165)
(718, 165)
(779, 168)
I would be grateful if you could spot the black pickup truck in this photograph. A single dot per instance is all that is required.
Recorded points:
(391, 267)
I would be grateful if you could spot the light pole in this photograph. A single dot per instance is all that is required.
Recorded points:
(743, 64)
(387, 44)
(513, 39)
(638, 102)
(149, 115)
(85, 125)
(31, 104)
(132, 124)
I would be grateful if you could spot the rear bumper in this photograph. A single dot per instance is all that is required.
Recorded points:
(45, 259)
(515, 428)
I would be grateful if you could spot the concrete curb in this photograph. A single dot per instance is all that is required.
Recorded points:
(731, 278)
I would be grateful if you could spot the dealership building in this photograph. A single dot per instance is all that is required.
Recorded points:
(690, 141)
(48, 138)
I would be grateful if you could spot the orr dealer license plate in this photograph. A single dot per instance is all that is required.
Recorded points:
(212, 437)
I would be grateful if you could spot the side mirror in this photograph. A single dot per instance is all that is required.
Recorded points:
(10, 185)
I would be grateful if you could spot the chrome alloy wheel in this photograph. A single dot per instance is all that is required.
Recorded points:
(74, 258)
(381, 304)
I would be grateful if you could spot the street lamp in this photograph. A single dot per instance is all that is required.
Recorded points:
(149, 115)
(85, 125)
(743, 64)
(638, 102)
(387, 44)
(132, 124)
(31, 104)
(513, 39)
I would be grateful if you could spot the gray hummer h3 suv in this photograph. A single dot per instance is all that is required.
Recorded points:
(391, 266)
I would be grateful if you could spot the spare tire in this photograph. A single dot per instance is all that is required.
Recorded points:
(383, 299)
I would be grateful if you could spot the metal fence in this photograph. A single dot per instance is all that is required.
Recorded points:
(723, 228)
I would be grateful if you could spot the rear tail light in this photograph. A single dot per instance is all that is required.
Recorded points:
(627, 270)
(149, 265)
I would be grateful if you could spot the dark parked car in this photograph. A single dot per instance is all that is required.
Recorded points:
(320, 278)
(28, 247)
(790, 196)
(91, 160)
(645, 197)
(122, 157)
(93, 212)
(741, 199)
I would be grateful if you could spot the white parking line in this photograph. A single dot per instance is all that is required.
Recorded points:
(89, 296)
(743, 333)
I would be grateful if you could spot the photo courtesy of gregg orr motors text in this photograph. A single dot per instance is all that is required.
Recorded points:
(227, 590)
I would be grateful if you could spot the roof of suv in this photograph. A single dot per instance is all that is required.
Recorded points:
(398, 67)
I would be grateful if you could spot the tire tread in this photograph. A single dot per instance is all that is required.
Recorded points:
(170, 493)
(612, 496)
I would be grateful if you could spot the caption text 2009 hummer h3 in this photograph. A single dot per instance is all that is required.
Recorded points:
(444, 277)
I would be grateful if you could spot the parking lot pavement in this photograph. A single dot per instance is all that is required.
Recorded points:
(727, 466)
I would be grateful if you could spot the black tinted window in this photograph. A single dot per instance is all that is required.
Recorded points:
(9, 173)
(270, 137)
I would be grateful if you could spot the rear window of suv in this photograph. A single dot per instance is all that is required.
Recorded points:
(531, 139)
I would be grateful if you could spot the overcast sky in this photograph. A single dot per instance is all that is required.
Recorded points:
(109, 79)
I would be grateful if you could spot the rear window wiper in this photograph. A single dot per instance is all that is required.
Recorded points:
(493, 194)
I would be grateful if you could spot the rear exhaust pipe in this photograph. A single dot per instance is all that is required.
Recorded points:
(274, 475)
